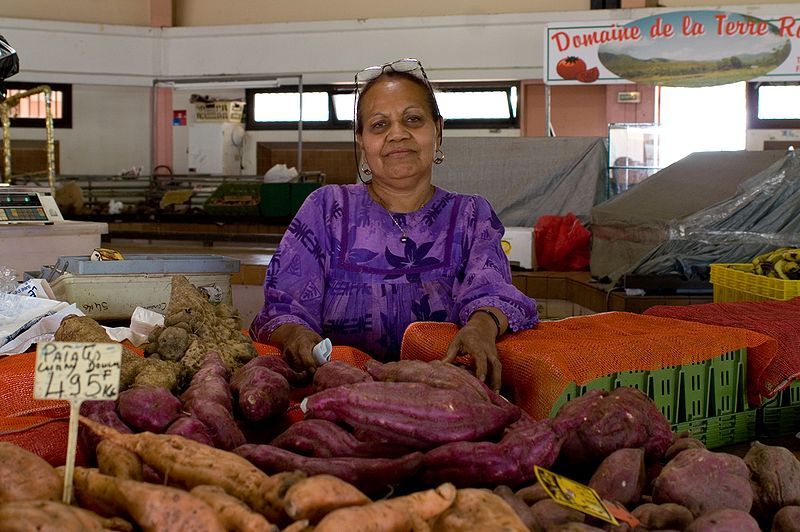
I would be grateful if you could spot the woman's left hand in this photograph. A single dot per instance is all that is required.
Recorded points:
(477, 339)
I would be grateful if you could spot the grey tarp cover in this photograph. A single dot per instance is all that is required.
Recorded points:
(709, 207)
(527, 177)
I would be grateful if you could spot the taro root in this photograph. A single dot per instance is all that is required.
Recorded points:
(704, 481)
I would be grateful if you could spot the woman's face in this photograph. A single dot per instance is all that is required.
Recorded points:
(399, 135)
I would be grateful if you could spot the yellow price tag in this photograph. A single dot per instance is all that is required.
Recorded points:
(573, 495)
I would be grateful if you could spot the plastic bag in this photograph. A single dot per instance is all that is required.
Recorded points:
(562, 243)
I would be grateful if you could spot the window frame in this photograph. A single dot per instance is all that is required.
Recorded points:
(753, 122)
(65, 122)
(333, 124)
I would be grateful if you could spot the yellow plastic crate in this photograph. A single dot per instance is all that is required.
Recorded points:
(732, 284)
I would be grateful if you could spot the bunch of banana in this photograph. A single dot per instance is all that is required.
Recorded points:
(782, 263)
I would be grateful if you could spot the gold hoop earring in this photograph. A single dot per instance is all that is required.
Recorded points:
(438, 157)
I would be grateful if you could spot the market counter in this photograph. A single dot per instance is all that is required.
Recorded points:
(28, 247)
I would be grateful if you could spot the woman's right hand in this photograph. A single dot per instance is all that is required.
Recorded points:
(297, 343)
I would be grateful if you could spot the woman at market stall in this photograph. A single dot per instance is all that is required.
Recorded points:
(360, 262)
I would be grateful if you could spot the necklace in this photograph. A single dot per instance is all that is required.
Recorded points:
(403, 234)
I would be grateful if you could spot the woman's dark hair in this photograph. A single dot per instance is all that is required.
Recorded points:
(430, 99)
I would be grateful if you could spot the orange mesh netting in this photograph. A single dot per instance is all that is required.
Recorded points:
(41, 435)
(539, 363)
(778, 319)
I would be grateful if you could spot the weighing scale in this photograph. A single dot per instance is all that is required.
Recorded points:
(28, 205)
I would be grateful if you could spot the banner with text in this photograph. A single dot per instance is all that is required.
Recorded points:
(678, 48)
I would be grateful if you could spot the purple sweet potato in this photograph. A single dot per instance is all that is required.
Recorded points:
(704, 481)
(435, 373)
(681, 444)
(548, 513)
(519, 506)
(336, 373)
(598, 423)
(280, 366)
(620, 477)
(724, 520)
(667, 516)
(261, 393)
(409, 414)
(222, 428)
(148, 408)
(774, 477)
(370, 475)
(213, 388)
(787, 519)
(104, 412)
(510, 461)
(191, 428)
(323, 439)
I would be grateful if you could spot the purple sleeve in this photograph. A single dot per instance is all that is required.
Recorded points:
(295, 279)
(485, 276)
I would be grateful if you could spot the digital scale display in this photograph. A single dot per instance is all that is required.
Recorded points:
(27, 207)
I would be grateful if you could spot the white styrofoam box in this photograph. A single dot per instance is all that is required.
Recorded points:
(114, 297)
(518, 246)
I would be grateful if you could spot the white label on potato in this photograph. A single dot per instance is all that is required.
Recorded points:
(77, 371)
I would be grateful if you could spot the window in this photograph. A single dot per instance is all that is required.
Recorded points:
(462, 104)
(31, 110)
(773, 105)
(701, 119)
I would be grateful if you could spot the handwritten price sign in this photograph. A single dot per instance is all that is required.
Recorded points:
(76, 371)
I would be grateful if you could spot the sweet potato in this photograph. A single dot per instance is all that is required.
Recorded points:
(117, 461)
(186, 463)
(53, 516)
(511, 461)
(583, 527)
(25, 476)
(314, 497)
(234, 515)
(213, 388)
(409, 414)
(722, 520)
(325, 439)
(367, 474)
(532, 494)
(104, 412)
(299, 526)
(478, 509)
(336, 373)
(280, 366)
(261, 393)
(192, 428)
(681, 444)
(687, 479)
(598, 423)
(222, 428)
(148, 408)
(152, 507)
(549, 513)
(620, 477)
(775, 479)
(520, 507)
(435, 373)
(667, 516)
(787, 519)
(397, 513)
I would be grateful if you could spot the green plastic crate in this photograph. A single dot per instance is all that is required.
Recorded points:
(299, 193)
(781, 416)
(276, 199)
(234, 199)
(707, 399)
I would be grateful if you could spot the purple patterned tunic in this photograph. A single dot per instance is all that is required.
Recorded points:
(342, 271)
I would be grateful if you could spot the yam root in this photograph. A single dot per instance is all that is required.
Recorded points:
(25, 476)
(314, 497)
(117, 461)
(54, 516)
(478, 509)
(186, 463)
(152, 507)
(391, 514)
(234, 515)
